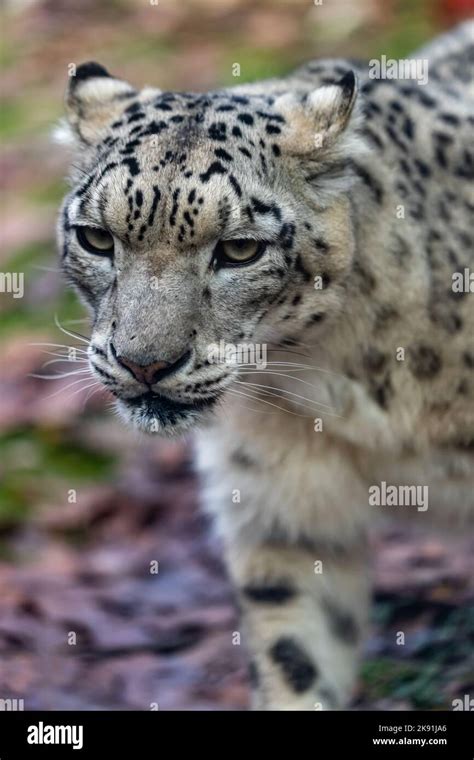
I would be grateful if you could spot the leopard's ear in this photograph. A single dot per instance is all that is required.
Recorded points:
(317, 121)
(94, 98)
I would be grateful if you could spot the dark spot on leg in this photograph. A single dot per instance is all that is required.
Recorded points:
(341, 623)
(274, 593)
(298, 670)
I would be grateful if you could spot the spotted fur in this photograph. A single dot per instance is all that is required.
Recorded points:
(361, 186)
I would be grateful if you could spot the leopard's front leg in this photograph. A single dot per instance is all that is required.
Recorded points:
(303, 611)
(294, 536)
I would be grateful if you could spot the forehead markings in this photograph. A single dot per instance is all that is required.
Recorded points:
(216, 167)
(137, 112)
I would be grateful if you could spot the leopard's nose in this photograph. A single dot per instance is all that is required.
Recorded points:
(149, 374)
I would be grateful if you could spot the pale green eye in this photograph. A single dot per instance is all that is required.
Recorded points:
(239, 251)
(95, 240)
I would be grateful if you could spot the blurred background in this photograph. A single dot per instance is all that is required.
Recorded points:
(112, 591)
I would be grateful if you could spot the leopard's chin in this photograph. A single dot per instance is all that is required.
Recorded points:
(157, 414)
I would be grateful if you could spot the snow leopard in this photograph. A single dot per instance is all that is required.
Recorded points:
(326, 218)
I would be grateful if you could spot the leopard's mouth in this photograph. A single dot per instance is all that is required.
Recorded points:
(155, 413)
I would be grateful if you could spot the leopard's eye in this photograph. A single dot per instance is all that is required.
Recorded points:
(95, 240)
(240, 251)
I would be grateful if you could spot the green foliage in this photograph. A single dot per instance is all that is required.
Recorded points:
(418, 683)
(40, 464)
(255, 63)
(28, 115)
(413, 27)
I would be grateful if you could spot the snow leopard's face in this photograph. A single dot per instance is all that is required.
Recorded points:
(198, 221)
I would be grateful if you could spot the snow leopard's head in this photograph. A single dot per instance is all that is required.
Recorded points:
(203, 220)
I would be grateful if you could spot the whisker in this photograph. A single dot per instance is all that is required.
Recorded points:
(274, 393)
(288, 351)
(79, 169)
(77, 321)
(59, 376)
(46, 269)
(71, 385)
(64, 360)
(244, 406)
(295, 365)
(290, 377)
(60, 345)
(92, 392)
(236, 394)
(85, 388)
(269, 388)
(67, 357)
(264, 401)
(72, 334)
